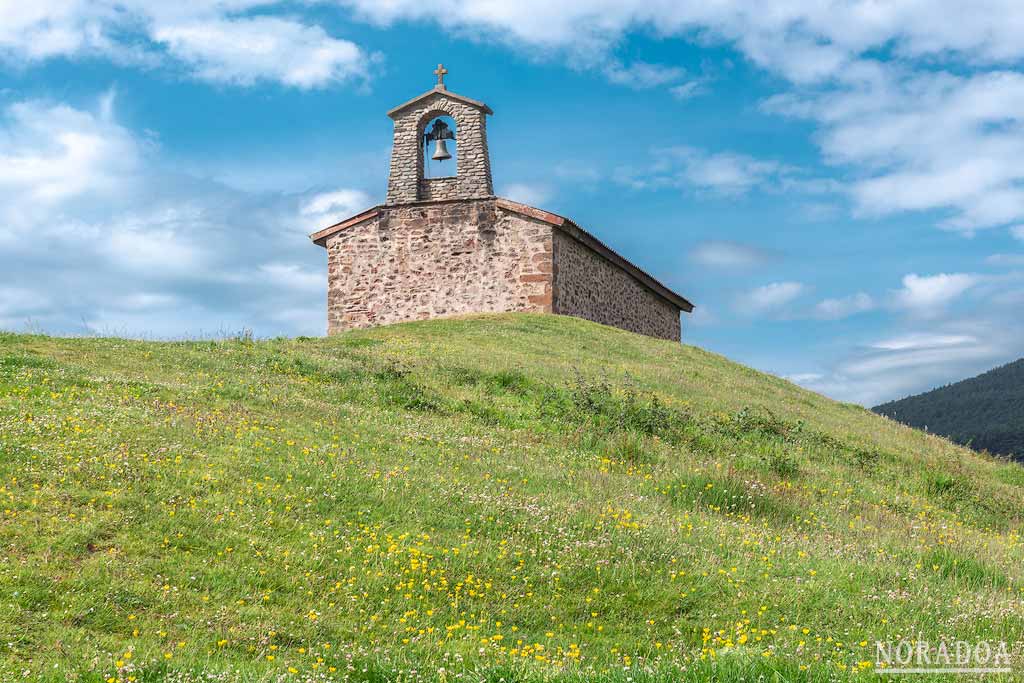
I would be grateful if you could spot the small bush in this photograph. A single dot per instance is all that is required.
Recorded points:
(750, 420)
(396, 386)
(485, 412)
(939, 483)
(392, 371)
(298, 366)
(781, 464)
(866, 459)
(624, 409)
(727, 495)
(494, 383)
(631, 448)
(407, 394)
(12, 363)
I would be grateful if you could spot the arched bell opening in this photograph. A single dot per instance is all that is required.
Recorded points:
(440, 147)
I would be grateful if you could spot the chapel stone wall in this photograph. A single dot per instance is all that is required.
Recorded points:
(419, 261)
(587, 285)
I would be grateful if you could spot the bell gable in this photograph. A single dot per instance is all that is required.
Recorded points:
(407, 182)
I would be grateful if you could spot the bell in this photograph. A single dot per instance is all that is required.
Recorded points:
(440, 151)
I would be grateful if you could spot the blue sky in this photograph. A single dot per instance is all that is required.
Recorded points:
(839, 187)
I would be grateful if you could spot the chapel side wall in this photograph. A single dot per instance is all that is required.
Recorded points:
(414, 262)
(587, 285)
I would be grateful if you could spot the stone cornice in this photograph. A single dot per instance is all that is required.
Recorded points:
(443, 93)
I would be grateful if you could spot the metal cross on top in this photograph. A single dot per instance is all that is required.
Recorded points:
(440, 71)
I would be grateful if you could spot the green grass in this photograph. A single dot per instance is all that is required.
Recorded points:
(496, 498)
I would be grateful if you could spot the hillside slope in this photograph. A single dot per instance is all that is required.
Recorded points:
(514, 497)
(985, 412)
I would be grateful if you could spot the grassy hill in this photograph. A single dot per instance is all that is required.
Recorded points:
(517, 498)
(985, 412)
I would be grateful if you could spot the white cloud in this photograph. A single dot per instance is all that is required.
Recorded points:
(923, 357)
(835, 309)
(924, 340)
(245, 51)
(804, 378)
(527, 193)
(1011, 260)
(143, 301)
(928, 295)
(39, 30)
(935, 345)
(151, 249)
(937, 126)
(144, 248)
(685, 91)
(16, 301)
(577, 172)
(927, 357)
(720, 173)
(770, 298)
(214, 39)
(915, 362)
(327, 208)
(725, 254)
(925, 141)
(18, 306)
(702, 316)
(51, 153)
(1018, 232)
(294, 276)
(642, 75)
(803, 40)
(725, 172)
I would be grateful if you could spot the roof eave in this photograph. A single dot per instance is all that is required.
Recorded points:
(320, 236)
(569, 227)
(645, 278)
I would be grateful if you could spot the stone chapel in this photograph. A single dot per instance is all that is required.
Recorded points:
(442, 246)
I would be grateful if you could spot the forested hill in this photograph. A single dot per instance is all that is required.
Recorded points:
(985, 412)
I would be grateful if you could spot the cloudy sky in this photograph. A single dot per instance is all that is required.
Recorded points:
(838, 186)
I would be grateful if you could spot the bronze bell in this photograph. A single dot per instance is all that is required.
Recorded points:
(439, 133)
(440, 151)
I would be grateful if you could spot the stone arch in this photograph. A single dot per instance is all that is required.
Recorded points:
(455, 114)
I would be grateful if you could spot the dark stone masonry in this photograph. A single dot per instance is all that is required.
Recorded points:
(448, 246)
